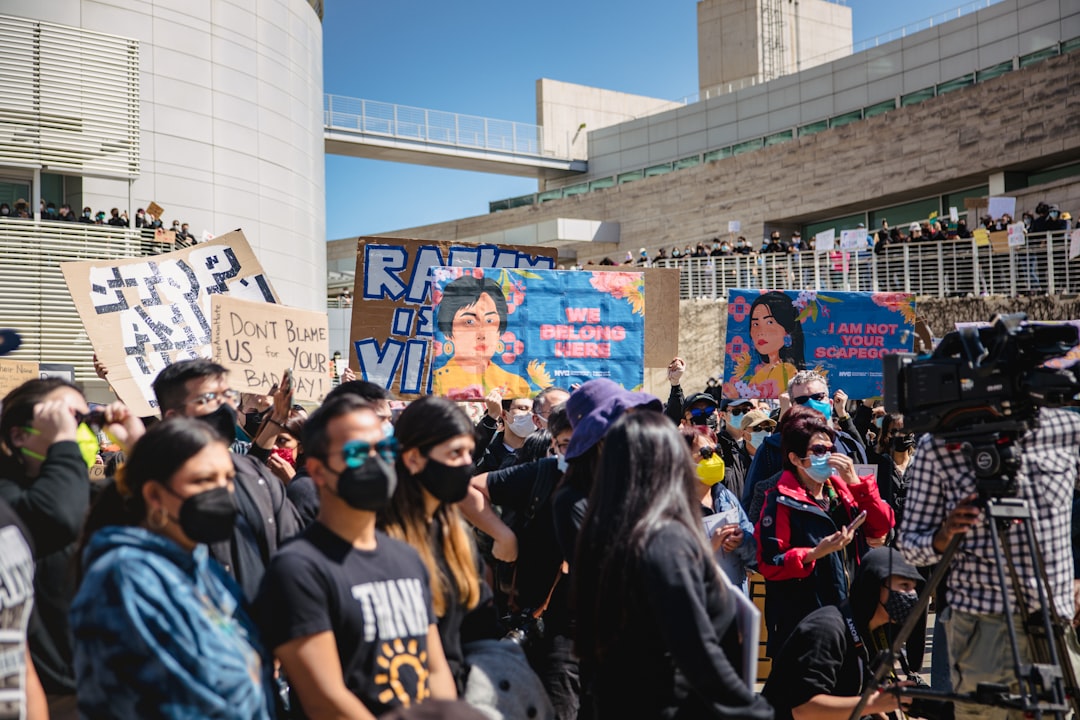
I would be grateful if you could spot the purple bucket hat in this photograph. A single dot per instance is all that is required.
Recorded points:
(595, 406)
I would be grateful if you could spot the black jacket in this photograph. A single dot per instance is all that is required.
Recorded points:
(52, 507)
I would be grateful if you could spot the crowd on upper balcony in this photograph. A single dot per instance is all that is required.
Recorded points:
(115, 217)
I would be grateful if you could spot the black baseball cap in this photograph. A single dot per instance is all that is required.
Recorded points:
(696, 398)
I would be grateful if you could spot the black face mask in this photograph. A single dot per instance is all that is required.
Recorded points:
(223, 420)
(368, 487)
(252, 420)
(208, 517)
(448, 484)
(900, 443)
(900, 604)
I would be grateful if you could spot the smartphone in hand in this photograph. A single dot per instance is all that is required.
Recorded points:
(859, 520)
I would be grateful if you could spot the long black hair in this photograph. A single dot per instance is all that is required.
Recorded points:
(429, 421)
(783, 311)
(157, 455)
(645, 480)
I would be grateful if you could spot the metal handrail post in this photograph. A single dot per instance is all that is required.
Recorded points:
(330, 110)
(975, 267)
(817, 271)
(1051, 285)
(907, 268)
(363, 115)
(941, 269)
(1012, 271)
(427, 126)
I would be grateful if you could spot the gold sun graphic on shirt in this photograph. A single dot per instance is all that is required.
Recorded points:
(393, 658)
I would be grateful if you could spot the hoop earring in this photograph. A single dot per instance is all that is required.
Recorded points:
(500, 347)
(448, 348)
(787, 341)
(158, 521)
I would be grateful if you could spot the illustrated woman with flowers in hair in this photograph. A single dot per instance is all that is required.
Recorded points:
(777, 337)
(472, 317)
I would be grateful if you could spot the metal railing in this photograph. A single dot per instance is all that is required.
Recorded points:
(433, 126)
(951, 268)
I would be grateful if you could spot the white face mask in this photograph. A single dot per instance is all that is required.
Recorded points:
(521, 425)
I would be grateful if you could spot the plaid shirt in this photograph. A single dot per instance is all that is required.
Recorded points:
(940, 478)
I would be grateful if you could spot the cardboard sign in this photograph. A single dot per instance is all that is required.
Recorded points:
(853, 240)
(14, 373)
(825, 241)
(257, 341)
(519, 331)
(662, 318)
(156, 210)
(142, 314)
(772, 334)
(392, 316)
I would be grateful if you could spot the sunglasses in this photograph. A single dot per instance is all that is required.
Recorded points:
(702, 412)
(820, 449)
(707, 452)
(357, 452)
(803, 399)
(742, 409)
(95, 419)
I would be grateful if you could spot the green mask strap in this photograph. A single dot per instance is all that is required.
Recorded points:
(27, 451)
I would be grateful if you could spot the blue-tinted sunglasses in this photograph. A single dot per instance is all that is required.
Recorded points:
(357, 452)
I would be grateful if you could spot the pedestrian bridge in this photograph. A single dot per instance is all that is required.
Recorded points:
(398, 133)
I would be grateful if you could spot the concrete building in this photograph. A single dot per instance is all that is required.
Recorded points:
(213, 110)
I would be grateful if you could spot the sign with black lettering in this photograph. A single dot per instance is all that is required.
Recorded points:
(258, 342)
(142, 314)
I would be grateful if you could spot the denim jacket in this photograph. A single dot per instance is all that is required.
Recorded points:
(160, 632)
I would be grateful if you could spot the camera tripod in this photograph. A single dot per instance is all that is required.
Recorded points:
(1047, 686)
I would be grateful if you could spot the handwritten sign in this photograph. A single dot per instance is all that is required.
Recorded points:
(142, 314)
(1016, 235)
(734, 226)
(258, 340)
(14, 373)
(853, 239)
(773, 334)
(156, 210)
(520, 331)
(1001, 206)
(825, 241)
(392, 316)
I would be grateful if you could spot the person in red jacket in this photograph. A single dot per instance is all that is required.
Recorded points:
(815, 525)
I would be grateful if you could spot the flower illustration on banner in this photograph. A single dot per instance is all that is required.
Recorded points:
(904, 303)
(512, 347)
(470, 392)
(738, 346)
(538, 374)
(739, 308)
(814, 304)
(621, 285)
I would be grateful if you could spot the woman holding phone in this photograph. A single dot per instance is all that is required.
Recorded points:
(815, 526)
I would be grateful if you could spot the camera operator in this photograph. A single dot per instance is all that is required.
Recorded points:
(943, 502)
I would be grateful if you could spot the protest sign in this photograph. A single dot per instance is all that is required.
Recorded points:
(1016, 235)
(142, 314)
(853, 240)
(825, 241)
(14, 373)
(392, 316)
(519, 331)
(662, 317)
(156, 210)
(773, 334)
(734, 226)
(954, 214)
(1001, 206)
(256, 341)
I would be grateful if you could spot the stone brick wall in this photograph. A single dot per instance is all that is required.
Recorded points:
(1020, 121)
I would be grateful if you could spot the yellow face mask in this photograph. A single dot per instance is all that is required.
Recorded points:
(84, 437)
(711, 470)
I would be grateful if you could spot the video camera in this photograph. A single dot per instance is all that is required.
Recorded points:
(984, 379)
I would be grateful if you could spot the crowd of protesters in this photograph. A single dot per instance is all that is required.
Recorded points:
(580, 553)
(115, 217)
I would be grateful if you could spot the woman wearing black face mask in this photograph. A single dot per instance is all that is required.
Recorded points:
(159, 628)
(434, 468)
(892, 452)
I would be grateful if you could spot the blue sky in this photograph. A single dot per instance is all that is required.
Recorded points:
(482, 57)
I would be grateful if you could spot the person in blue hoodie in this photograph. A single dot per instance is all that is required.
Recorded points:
(160, 629)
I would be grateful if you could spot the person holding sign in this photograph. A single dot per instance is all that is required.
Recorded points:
(777, 337)
(656, 625)
(472, 316)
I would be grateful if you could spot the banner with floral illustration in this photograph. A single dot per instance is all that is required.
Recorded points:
(772, 334)
(520, 331)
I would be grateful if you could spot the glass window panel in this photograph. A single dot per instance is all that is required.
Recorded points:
(688, 162)
(631, 176)
(814, 127)
(916, 97)
(879, 108)
(845, 119)
(778, 138)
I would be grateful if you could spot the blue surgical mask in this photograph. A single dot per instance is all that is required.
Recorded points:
(758, 437)
(737, 420)
(822, 406)
(878, 419)
(819, 467)
(560, 462)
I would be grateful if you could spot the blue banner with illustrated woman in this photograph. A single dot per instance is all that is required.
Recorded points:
(520, 331)
(772, 334)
